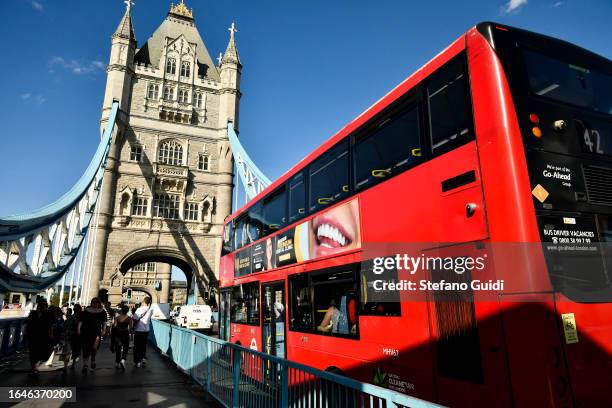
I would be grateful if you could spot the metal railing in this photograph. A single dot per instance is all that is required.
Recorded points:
(12, 335)
(240, 377)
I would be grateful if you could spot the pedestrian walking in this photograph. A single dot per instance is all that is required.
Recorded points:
(123, 328)
(110, 317)
(58, 337)
(91, 330)
(72, 334)
(39, 335)
(142, 318)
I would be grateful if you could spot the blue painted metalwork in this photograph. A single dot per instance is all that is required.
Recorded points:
(253, 180)
(17, 226)
(58, 230)
(240, 377)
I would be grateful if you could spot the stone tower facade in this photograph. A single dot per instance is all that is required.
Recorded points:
(169, 177)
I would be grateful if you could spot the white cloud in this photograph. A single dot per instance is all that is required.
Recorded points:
(557, 4)
(37, 99)
(513, 5)
(36, 5)
(75, 66)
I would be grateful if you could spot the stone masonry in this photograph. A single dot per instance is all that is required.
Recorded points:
(169, 177)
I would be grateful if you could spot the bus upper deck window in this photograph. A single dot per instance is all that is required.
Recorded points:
(228, 235)
(450, 112)
(275, 211)
(388, 147)
(255, 229)
(329, 177)
(297, 197)
(240, 233)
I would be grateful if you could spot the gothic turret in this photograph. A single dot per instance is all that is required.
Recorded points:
(120, 72)
(121, 65)
(230, 80)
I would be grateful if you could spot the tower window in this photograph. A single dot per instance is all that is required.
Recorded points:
(169, 93)
(166, 206)
(140, 206)
(183, 96)
(170, 152)
(199, 100)
(203, 162)
(144, 267)
(185, 69)
(171, 66)
(191, 211)
(136, 153)
(153, 91)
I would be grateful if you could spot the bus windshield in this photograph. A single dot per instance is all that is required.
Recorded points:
(568, 83)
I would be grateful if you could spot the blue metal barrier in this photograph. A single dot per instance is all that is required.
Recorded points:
(12, 335)
(240, 377)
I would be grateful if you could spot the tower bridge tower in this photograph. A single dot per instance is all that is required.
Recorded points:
(169, 177)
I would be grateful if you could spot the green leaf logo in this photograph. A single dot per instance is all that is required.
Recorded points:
(380, 378)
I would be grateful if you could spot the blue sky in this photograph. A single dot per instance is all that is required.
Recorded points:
(309, 68)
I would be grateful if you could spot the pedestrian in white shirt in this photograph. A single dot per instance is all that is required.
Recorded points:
(142, 318)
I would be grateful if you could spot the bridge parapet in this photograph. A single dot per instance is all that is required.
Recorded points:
(240, 377)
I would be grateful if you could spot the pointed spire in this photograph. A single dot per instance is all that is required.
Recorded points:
(231, 53)
(125, 29)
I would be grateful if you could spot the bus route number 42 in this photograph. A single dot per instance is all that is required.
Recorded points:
(592, 140)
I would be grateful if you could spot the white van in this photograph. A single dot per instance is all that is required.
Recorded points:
(195, 317)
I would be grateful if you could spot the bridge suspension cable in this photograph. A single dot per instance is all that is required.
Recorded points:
(253, 180)
(38, 248)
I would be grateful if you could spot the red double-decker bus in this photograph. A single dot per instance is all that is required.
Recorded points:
(504, 137)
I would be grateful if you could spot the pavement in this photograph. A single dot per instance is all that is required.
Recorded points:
(159, 384)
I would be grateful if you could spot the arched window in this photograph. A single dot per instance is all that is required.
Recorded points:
(198, 100)
(169, 93)
(170, 152)
(171, 66)
(185, 69)
(153, 91)
(183, 96)
(166, 206)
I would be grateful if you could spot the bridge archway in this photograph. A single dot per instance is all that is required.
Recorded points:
(159, 288)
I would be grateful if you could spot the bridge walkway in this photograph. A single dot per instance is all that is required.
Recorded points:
(158, 384)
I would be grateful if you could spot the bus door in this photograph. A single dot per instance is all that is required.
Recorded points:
(273, 328)
(224, 315)
(466, 334)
